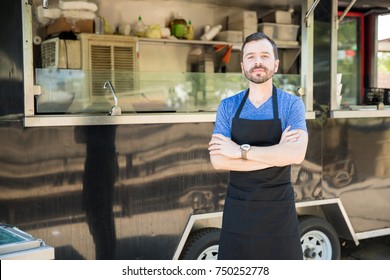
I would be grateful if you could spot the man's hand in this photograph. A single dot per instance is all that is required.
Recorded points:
(224, 146)
(289, 135)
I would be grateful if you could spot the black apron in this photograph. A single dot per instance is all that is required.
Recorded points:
(259, 218)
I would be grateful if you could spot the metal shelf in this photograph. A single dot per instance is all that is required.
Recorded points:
(236, 46)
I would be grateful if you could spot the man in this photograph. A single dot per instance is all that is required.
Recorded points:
(258, 134)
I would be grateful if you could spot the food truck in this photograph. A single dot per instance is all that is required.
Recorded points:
(107, 108)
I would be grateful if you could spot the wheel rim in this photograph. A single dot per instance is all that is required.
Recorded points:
(316, 246)
(210, 253)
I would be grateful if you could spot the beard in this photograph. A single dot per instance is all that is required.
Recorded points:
(259, 78)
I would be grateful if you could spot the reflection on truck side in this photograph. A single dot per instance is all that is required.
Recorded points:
(101, 175)
(84, 190)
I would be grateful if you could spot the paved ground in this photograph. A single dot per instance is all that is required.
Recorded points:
(370, 249)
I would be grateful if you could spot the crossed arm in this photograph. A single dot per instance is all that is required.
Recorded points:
(226, 154)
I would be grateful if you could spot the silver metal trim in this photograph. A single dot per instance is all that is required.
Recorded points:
(76, 120)
(310, 115)
(307, 58)
(341, 114)
(28, 71)
(41, 253)
(149, 118)
(317, 202)
(333, 58)
(373, 233)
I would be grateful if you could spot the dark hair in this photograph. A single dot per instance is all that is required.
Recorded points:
(259, 36)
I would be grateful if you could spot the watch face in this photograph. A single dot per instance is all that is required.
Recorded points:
(245, 147)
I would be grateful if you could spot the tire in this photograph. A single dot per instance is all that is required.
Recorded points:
(202, 245)
(319, 240)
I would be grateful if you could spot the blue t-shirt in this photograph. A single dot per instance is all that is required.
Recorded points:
(291, 112)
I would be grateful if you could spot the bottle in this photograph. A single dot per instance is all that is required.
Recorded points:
(139, 27)
(190, 31)
(207, 28)
(179, 27)
(99, 25)
(208, 36)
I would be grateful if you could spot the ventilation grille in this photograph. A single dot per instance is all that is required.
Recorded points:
(101, 66)
(110, 58)
(49, 53)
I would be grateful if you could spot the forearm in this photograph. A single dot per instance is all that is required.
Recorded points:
(281, 154)
(224, 163)
(226, 154)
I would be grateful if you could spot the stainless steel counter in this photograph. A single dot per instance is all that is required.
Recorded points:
(16, 244)
(364, 111)
(76, 120)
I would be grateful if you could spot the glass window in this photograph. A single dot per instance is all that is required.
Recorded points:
(71, 91)
(383, 80)
(349, 59)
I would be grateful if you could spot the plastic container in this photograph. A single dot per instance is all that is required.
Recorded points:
(240, 20)
(283, 17)
(240, 25)
(230, 36)
(248, 31)
(283, 32)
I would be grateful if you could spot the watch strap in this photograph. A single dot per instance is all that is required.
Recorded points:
(244, 154)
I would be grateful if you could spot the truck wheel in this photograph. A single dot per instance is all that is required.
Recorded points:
(319, 240)
(202, 245)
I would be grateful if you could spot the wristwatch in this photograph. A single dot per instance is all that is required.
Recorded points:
(244, 150)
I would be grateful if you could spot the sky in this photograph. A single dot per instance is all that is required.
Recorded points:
(384, 30)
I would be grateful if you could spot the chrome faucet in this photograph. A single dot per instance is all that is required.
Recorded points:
(115, 110)
(45, 4)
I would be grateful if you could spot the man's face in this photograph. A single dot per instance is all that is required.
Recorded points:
(259, 63)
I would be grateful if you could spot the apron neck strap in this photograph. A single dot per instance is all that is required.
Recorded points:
(274, 103)
(238, 112)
